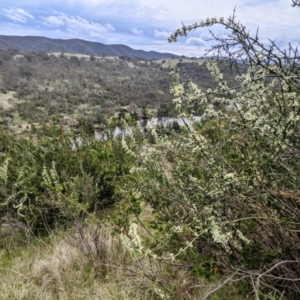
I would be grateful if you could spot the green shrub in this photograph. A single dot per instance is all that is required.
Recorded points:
(46, 182)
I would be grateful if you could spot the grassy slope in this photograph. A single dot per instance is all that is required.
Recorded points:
(91, 263)
(55, 269)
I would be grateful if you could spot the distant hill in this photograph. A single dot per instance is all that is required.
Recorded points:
(38, 43)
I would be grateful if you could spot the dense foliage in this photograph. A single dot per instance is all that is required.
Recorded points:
(225, 195)
(64, 85)
(53, 178)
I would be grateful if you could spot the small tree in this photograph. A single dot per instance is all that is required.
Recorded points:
(92, 58)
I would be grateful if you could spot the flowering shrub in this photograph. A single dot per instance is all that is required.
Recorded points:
(226, 193)
(45, 182)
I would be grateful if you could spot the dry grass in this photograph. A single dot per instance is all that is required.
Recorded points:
(60, 269)
(57, 54)
(4, 100)
(88, 262)
(172, 62)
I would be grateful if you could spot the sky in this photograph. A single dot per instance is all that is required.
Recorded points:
(146, 24)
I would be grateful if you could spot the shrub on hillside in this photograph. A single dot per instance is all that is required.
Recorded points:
(55, 177)
(225, 195)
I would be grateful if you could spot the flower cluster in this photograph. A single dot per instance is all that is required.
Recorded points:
(51, 182)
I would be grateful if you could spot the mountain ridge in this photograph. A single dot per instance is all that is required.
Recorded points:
(76, 46)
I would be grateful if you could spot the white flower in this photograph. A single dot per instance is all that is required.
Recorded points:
(229, 176)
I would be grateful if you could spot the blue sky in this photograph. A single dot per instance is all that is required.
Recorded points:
(146, 24)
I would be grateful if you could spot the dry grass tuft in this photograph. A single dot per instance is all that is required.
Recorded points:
(88, 262)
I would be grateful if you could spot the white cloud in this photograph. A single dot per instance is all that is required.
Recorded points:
(17, 14)
(136, 31)
(97, 19)
(178, 48)
(205, 36)
(195, 41)
(161, 34)
(54, 21)
(79, 26)
(108, 26)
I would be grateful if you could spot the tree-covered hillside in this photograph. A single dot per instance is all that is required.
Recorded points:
(36, 86)
(75, 46)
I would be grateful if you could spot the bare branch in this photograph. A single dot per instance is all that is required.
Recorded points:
(296, 3)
